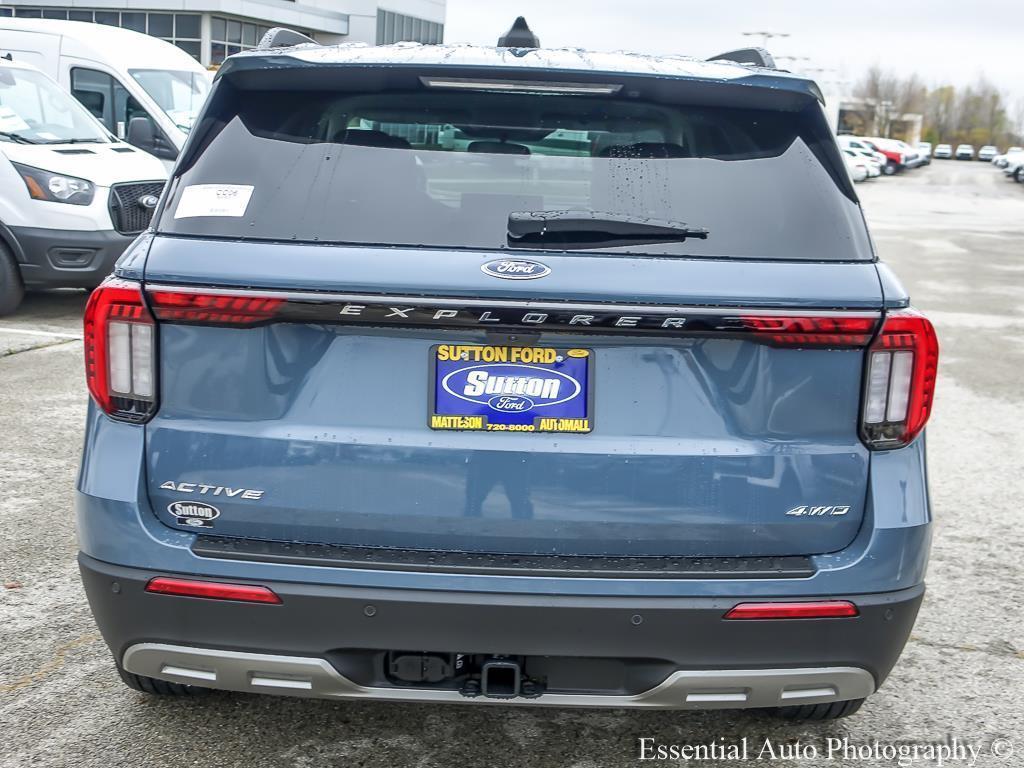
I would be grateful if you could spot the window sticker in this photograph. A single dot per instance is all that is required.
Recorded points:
(213, 200)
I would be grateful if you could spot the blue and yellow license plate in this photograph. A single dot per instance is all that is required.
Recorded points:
(510, 389)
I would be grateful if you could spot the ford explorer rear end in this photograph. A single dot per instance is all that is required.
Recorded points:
(535, 372)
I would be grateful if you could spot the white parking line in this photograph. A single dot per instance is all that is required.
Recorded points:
(27, 332)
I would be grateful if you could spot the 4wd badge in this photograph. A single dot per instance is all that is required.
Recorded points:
(194, 514)
(830, 511)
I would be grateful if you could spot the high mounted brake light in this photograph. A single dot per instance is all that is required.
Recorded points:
(120, 367)
(522, 86)
(900, 383)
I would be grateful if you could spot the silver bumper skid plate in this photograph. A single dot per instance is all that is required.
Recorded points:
(315, 677)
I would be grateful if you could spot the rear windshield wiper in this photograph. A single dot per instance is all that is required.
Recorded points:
(17, 138)
(593, 229)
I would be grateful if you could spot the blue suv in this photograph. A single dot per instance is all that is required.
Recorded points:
(648, 278)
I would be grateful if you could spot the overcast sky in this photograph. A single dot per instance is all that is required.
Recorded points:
(943, 41)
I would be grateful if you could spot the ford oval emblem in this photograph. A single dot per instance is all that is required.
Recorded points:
(511, 403)
(515, 269)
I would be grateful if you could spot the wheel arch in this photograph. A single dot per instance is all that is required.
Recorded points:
(7, 238)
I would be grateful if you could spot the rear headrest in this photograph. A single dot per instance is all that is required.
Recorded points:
(367, 138)
(644, 150)
(498, 148)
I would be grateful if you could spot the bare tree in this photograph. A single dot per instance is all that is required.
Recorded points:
(993, 112)
(891, 96)
(976, 113)
(940, 113)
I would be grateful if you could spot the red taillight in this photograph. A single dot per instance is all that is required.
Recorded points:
(120, 351)
(812, 331)
(213, 308)
(826, 609)
(246, 593)
(900, 384)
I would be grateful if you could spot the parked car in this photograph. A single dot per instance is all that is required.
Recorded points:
(1000, 161)
(873, 162)
(896, 153)
(72, 197)
(145, 90)
(988, 153)
(1014, 167)
(924, 148)
(864, 147)
(912, 158)
(943, 152)
(964, 152)
(857, 165)
(874, 167)
(509, 430)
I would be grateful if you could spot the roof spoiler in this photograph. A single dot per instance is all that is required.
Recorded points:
(281, 37)
(757, 57)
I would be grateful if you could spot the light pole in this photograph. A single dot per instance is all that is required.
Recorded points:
(765, 36)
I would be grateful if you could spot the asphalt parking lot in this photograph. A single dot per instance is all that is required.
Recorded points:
(955, 234)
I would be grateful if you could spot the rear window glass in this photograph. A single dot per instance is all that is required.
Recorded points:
(442, 168)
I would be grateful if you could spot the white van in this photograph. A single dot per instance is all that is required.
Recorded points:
(72, 196)
(118, 75)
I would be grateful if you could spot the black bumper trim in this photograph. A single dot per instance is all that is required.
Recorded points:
(54, 258)
(347, 624)
(578, 566)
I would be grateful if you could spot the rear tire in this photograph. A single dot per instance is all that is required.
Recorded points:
(818, 712)
(12, 290)
(888, 169)
(154, 687)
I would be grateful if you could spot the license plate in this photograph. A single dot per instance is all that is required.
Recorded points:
(510, 389)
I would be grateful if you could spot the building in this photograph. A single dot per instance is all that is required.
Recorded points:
(211, 30)
(869, 117)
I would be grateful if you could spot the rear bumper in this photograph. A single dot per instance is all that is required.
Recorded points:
(329, 641)
(59, 258)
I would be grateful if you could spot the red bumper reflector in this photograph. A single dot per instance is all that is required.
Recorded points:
(828, 609)
(245, 593)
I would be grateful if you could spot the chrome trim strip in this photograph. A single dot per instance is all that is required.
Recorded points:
(526, 304)
(316, 678)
